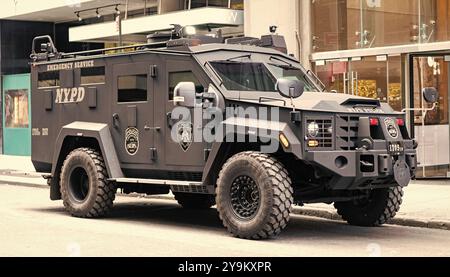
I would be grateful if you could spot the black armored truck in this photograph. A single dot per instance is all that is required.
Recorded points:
(235, 123)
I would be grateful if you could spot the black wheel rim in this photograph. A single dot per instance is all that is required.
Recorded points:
(79, 184)
(245, 197)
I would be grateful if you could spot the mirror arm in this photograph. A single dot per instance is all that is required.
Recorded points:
(424, 111)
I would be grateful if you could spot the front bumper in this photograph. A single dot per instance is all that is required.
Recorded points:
(365, 168)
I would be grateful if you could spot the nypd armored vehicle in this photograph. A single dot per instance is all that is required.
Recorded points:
(235, 123)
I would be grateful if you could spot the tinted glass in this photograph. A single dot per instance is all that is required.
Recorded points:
(186, 76)
(132, 88)
(292, 73)
(48, 79)
(245, 76)
(93, 75)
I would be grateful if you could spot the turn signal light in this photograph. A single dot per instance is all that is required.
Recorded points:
(400, 122)
(313, 143)
(374, 122)
(284, 141)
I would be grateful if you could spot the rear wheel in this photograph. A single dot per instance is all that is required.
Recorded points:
(254, 196)
(195, 201)
(85, 189)
(375, 210)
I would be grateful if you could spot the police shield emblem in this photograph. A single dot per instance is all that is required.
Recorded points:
(184, 135)
(132, 141)
(391, 128)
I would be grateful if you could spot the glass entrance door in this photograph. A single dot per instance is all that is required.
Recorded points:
(431, 130)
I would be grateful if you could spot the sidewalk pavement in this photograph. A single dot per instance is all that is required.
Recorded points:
(426, 204)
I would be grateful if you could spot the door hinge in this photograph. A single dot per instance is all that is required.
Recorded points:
(153, 154)
(154, 71)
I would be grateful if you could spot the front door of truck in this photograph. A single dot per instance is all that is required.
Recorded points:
(186, 150)
(132, 112)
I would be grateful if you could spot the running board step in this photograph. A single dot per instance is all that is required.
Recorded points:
(175, 186)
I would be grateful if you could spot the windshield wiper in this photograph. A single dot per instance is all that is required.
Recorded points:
(248, 56)
(280, 60)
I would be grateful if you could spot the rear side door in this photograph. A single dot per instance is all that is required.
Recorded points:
(132, 112)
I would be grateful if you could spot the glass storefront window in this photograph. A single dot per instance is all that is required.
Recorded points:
(432, 131)
(395, 89)
(370, 77)
(353, 24)
(16, 109)
(431, 72)
(233, 4)
(373, 77)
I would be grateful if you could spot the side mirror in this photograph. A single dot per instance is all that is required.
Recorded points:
(430, 95)
(184, 94)
(290, 88)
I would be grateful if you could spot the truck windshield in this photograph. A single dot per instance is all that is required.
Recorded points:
(256, 76)
(245, 76)
(290, 72)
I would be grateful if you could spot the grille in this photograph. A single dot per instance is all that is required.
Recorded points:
(347, 132)
(325, 138)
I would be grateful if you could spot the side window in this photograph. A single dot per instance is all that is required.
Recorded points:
(132, 88)
(93, 75)
(184, 76)
(48, 79)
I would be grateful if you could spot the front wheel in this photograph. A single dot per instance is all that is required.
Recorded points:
(85, 189)
(254, 196)
(376, 209)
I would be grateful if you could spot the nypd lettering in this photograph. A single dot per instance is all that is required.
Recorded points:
(70, 95)
(70, 66)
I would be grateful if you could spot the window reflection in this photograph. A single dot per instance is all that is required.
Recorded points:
(350, 24)
(373, 77)
(16, 109)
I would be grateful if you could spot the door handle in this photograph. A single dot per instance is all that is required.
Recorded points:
(148, 128)
(116, 120)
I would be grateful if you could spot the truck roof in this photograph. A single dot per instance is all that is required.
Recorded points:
(178, 47)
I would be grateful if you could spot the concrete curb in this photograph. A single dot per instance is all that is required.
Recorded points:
(319, 213)
(399, 220)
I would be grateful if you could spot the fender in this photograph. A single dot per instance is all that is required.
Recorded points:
(101, 133)
(255, 128)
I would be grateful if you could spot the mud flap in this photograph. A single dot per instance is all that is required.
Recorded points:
(402, 173)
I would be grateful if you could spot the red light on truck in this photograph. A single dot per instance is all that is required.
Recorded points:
(400, 122)
(374, 122)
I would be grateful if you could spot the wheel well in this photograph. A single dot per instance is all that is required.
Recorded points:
(69, 144)
(229, 149)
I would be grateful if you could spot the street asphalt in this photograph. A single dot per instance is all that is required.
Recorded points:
(32, 225)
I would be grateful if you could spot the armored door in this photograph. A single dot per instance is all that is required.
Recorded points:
(184, 143)
(132, 112)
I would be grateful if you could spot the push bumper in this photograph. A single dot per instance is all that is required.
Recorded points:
(360, 169)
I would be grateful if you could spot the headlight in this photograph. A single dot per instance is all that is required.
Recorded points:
(313, 129)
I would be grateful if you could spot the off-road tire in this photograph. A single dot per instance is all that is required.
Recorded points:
(383, 205)
(275, 191)
(195, 201)
(101, 194)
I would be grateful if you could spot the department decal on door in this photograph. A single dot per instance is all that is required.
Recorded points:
(184, 135)
(132, 141)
